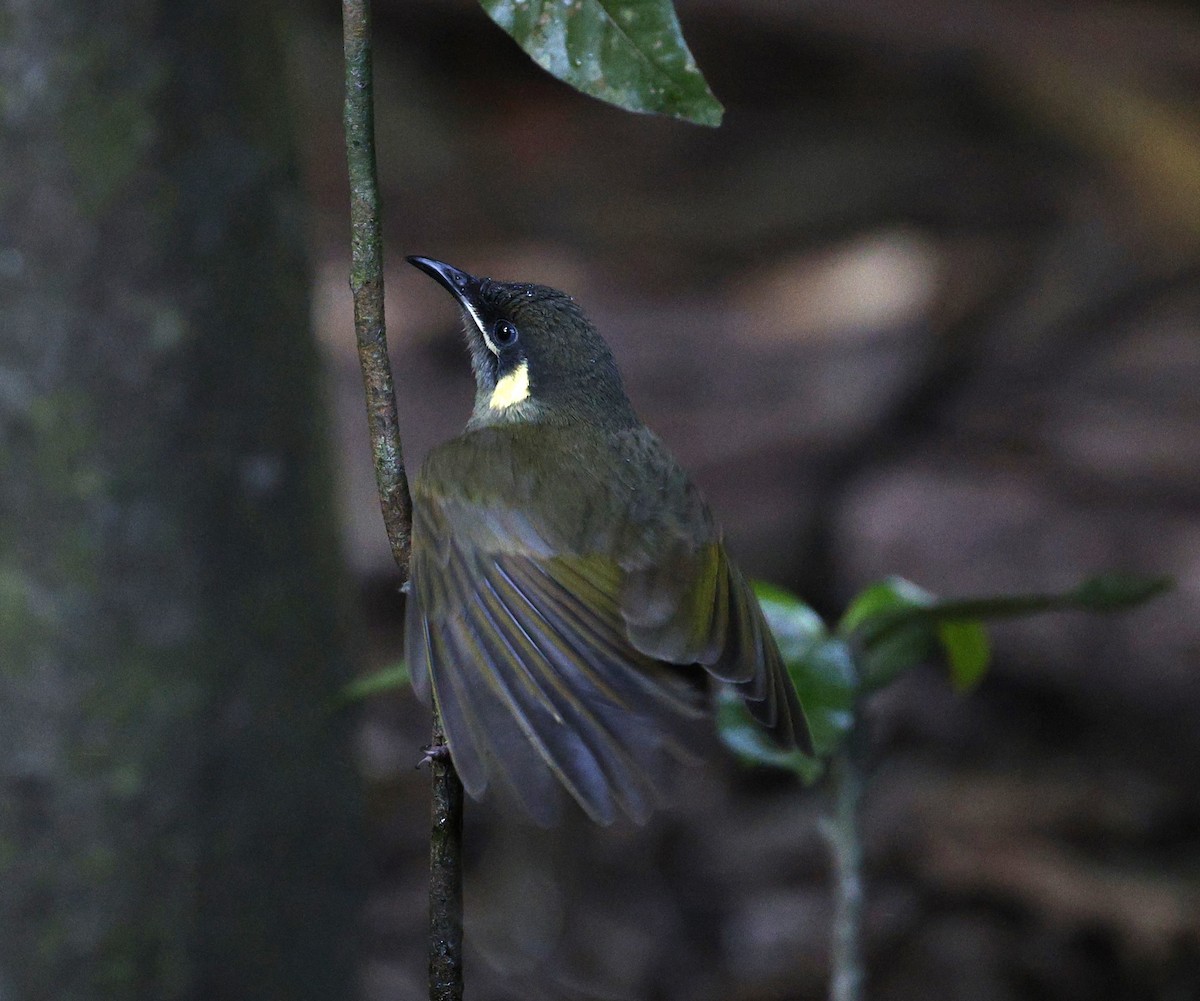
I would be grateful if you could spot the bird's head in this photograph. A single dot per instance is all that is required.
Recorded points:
(536, 357)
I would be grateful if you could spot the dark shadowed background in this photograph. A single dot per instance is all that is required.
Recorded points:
(927, 304)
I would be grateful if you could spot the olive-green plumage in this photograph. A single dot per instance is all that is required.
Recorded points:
(569, 586)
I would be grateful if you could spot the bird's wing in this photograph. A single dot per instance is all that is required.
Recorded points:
(685, 601)
(563, 645)
(535, 678)
(695, 607)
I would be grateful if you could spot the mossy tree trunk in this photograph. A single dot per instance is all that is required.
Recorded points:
(178, 810)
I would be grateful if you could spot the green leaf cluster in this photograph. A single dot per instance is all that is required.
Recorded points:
(895, 625)
(890, 627)
(822, 669)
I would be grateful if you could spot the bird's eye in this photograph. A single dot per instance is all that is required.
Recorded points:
(504, 334)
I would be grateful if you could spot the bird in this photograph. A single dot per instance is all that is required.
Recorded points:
(571, 599)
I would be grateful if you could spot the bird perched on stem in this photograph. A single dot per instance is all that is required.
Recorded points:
(570, 590)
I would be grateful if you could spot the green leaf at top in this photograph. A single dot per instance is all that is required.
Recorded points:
(630, 53)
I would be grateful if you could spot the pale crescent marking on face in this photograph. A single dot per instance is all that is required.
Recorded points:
(478, 320)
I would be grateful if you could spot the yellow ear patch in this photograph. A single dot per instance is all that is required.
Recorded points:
(512, 389)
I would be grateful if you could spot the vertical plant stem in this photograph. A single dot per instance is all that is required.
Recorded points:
(844, 837)
(366, 283)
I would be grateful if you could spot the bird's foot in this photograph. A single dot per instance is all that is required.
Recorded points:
(432, 753)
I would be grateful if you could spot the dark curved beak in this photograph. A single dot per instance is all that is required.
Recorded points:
(464, 287)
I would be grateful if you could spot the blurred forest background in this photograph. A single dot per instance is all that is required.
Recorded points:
(928, 304)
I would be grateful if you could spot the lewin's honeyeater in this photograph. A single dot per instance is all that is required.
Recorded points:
(569, 585)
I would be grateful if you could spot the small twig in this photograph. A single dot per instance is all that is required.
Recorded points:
(366, 283)
(445, 878)
(841, 831)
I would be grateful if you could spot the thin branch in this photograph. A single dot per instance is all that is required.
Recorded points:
(366, 282)
(445, 878)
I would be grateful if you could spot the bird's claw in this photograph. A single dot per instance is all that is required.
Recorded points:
(432, 753)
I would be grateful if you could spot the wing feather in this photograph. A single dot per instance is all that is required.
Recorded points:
(556, 728)
(567, 648)
(526, 663)
(590, 754)
(644, 704)
(487, 738)
(588, 618)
